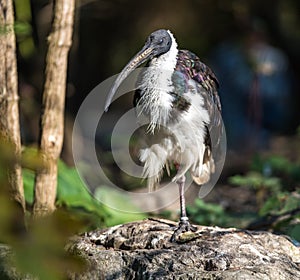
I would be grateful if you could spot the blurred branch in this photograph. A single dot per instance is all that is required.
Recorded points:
(9, 111)
(272, 221)
(52, 119)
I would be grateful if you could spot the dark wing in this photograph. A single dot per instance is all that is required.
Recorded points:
(190, 66)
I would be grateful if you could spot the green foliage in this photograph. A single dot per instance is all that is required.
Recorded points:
(204, 213)
(23, 28)
(212, 214)
(255, 180)
(280, 203)
(277, 199)
(73, 195)
(110, 196)
(279, 166)
(39, 251)
(23, 9)
(275, 180)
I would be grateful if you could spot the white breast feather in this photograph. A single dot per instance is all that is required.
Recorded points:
(155, 84)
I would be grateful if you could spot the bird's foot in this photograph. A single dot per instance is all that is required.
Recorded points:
(183, 226)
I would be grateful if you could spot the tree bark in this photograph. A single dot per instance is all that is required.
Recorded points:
(52, 119)
(142, 250)
(9, 111)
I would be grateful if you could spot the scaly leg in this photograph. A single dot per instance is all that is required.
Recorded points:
(184, 224)
(181, 183)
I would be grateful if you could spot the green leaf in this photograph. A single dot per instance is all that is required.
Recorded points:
(73, 194)
(22, 28)
(111, 197)
(28, 180)
(271, 206)
(255, 180)
(207, 213)
(294, 232)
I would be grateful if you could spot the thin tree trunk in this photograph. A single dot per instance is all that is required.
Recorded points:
(52, 119)
(9, 111)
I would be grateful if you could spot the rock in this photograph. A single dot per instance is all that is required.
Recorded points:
(142, 250)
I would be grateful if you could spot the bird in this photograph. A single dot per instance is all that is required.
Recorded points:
(178, 94)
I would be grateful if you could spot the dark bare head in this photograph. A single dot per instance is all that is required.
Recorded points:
(159, 42)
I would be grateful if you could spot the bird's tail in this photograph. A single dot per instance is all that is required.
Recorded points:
(201, 174)
(154, 159)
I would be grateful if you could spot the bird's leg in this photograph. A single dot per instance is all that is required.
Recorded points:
(184, 224)
(184, 220)
(181, 183)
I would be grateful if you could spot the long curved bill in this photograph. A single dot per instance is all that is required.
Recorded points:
(135, 62)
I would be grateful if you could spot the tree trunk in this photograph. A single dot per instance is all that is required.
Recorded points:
(9, 111)
(52, 119)
(142, 250)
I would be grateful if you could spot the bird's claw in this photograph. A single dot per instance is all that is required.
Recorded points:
(183, 226)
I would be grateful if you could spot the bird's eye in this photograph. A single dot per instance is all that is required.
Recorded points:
(161, 41)
(149, 39)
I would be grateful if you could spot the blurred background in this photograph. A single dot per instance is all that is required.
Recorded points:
(252, 46)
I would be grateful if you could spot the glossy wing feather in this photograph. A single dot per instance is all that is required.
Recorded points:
(192, 68)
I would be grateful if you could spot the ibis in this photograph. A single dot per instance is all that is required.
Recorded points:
(178, 94)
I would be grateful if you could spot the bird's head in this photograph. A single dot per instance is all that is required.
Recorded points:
(158, 43)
